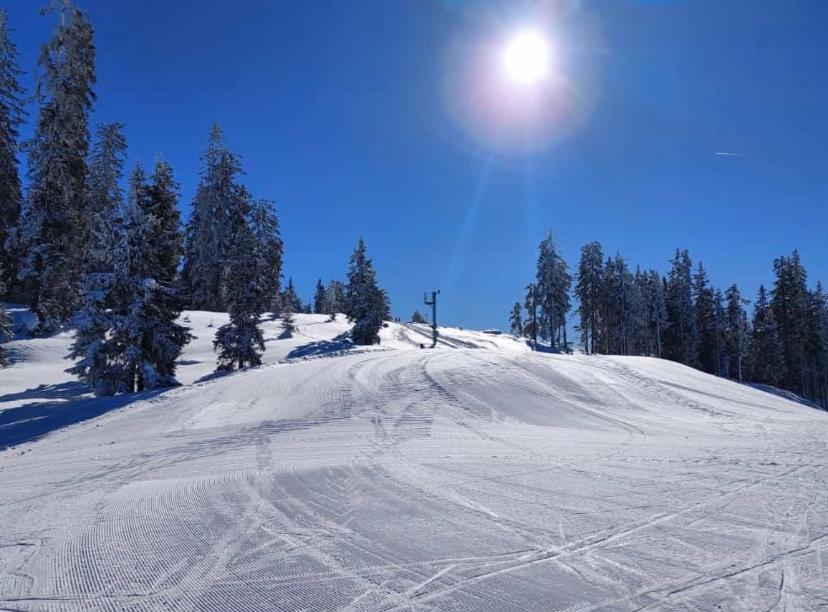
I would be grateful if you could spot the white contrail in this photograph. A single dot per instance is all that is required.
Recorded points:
(729, 154)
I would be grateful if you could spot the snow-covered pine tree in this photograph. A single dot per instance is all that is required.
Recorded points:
(264, 224)
(657, 312)
(146, 338)
(366, 304)
(736, 334)
(705, 315)
(588, 290)
(218, 210)
(531, 327)
(51, 232)
(11, 116)
(553, 284)
(418, 317)
(320, 304)
(290, 301)
(766, 363)
(789, 302)
(104, 205)
(5, 323)
(816, 347)
(240, 342)
(516, 320)
(335, 297)
(681, 334)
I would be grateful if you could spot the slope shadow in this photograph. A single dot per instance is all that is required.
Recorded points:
(54, 407)
(788, 395)
(321, 347)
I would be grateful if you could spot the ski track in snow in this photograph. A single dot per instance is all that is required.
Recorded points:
(476, 476)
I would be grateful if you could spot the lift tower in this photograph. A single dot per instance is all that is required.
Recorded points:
(433, 303)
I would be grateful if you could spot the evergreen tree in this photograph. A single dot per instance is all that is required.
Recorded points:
(516, 320)
(94, 355)
(588, 290)
(264, 224)
(418, 317)
(219, 210)
(51, 232)
(290, 301)
(681, 334)
(366, 304)
(320, 299)
(736, 334)
(655, 313)
(133, 345)
(531, 327)
(104, 198)
(765, 360)
(11, 116)
(335, 298)
(5, 324)
(705, 320)
(553, 285)
(816, 347)
(790, 309)
(240, 341)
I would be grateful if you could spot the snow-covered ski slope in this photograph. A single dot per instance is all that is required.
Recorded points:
(476, 476)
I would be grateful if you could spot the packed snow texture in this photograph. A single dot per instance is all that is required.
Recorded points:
(475, 476)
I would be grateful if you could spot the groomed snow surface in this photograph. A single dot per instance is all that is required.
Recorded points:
(476, 476)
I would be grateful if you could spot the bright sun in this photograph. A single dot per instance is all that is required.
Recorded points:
(526, 57)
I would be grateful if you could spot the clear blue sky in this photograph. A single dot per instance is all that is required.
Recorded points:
(346, 113)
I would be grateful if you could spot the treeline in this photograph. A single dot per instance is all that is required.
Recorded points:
(76, 245)
(684, 318)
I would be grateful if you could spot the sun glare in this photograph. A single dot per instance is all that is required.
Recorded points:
(526, 57)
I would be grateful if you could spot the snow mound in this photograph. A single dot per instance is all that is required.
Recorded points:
(475, 476)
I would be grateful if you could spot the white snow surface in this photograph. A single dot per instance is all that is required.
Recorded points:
(475, 476)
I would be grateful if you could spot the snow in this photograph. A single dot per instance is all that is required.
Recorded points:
(475, 476)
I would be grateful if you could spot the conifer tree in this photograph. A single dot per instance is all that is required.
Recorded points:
(51, 232)
(366, 304)
(5, 324)
(588, 290)
(419, 317)
(264, 224)
(816, 347)
(11, 116)
(765, 360)
(320, 299)
(219, 210)
(736, 334)
(553, 285)
(705, 322)
(240, 342)
(290, 301)
(95, 357)
(681, 334)
(790, 304)
(655, 313)
(335, 298)
(516, 320)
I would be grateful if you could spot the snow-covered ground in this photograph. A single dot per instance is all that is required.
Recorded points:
(476, 476)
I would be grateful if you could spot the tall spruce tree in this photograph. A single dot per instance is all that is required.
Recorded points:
(553, 286)
(147, 330)
(516, 320)
(681, 334)
(5, 324)
(264, 225)
(240, 342)
(218, 213)
(706, 322)
(588, 291)
(367, 304)
(52, 230)
(320, 305)
(11, 116)
(95, 357)
(335, 297)
(736, 334)
(766, 363)
(816, 347)
(655, 313)
(790, 305)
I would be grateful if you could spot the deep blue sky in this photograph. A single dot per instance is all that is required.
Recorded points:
(346, 115)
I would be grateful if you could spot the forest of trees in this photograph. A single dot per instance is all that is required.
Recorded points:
(117, 263)
(684, 318)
